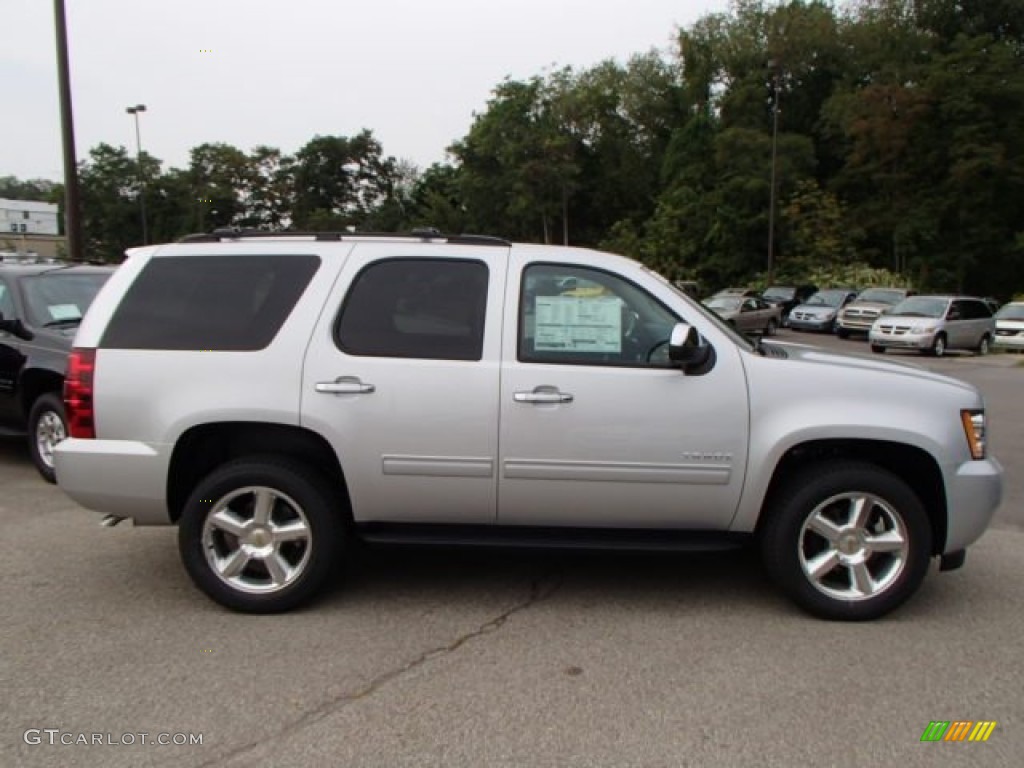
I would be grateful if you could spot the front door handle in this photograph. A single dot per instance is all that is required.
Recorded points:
(542, 396)
(344, 385)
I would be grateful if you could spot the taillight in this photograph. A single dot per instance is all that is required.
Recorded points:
(78, 403)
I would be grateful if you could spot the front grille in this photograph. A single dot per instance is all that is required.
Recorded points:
(1007, 332)
(893, 330)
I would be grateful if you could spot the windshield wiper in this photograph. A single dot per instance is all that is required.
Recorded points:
(65, 321)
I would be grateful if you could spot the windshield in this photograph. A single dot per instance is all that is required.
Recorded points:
(779, 292)
(920, 306)
(827, 299)
(61, 297)
(726, 303)
(1011, 312)
(883, 295)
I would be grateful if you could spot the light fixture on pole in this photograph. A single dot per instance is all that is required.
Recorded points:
(773, 65)
(134, 111)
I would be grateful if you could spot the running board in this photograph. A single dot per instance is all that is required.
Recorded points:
(531, 537)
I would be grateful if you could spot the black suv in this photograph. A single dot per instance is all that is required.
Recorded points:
(41, 306)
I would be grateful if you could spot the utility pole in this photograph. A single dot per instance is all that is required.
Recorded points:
(72, 201)
(773, 65)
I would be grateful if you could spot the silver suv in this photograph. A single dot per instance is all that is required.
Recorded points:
(933, 324)
(860, 314)
(280, 396)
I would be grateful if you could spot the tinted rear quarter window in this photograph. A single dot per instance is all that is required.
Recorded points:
(209, 302)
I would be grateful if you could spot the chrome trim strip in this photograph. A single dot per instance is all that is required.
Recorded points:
(438, 466)
(607, 471)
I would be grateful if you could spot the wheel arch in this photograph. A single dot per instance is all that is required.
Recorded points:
(913, 465)
(35, 382)
(204, 447)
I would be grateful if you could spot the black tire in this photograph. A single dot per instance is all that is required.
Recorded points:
(787, 548)
(47, 425)
(878, 349)
(842, 333)
(772, 328)
(984, 346)
(299, 496)
(938, 348)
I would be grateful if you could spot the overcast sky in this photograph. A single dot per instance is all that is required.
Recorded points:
(279, 73)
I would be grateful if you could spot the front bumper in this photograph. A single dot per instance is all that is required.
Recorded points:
(856, 324)
(1009, 342)
(973, 493)
(902, 341)
(810, 323)
(117, 477)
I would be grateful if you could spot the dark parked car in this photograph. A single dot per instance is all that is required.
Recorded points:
(787, 297)
(41, 306)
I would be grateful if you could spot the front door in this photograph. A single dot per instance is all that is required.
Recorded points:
(597, 429)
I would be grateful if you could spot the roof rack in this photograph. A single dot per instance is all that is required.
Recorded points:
(425, 234)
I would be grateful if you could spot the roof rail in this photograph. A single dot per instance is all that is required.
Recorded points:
(426, 233)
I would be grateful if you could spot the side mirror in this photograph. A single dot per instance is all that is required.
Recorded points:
(685, 349)
(16, 328)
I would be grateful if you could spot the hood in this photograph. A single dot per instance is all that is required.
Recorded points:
(1013, 325)
(877, 305)
(858, 364)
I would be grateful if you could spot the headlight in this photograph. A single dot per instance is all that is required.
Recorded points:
(827, 316)
(974, 431)
(921, 329)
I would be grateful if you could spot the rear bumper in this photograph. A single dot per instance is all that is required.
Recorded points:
(974, 492)
(116, 477)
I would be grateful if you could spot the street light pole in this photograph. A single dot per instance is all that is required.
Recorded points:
(134, 111)
(775, 144)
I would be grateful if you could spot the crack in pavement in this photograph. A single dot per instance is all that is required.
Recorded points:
(541, 588)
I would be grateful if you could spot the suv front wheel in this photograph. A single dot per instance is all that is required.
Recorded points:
(47, 426)
(847, 540)
(260, 535)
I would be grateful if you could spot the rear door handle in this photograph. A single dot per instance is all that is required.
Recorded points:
(542, 396)
(344, 385)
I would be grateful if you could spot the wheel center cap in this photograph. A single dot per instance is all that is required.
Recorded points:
(849, 544)
(259, 537)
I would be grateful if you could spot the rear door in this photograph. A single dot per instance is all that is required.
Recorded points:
(401, 376)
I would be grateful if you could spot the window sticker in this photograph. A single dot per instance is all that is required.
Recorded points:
(572, 324)
(65, 312)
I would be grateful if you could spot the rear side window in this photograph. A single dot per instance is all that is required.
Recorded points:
(209, 302)
(418, 308)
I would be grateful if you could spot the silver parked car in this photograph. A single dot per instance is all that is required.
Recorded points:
(934, 324)
(1010, 326)
(320, 390)
(819, 312)
(860, 314)
(747, 314)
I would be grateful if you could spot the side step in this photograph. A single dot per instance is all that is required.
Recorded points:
(531, 537)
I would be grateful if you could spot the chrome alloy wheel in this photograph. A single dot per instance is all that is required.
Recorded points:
(49, 431)
(257, 540)
(853, 546)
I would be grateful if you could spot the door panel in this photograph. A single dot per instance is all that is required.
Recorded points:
(619, 441)
(405, 383)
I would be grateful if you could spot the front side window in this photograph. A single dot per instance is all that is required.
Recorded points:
(576, 315)
(416, 308)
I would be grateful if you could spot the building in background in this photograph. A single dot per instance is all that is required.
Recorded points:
(30, 229)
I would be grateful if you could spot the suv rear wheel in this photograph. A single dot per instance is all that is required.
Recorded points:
(260, 535)
(47, 426)
(847, 540)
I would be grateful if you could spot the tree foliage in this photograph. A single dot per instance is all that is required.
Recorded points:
(899, 146)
